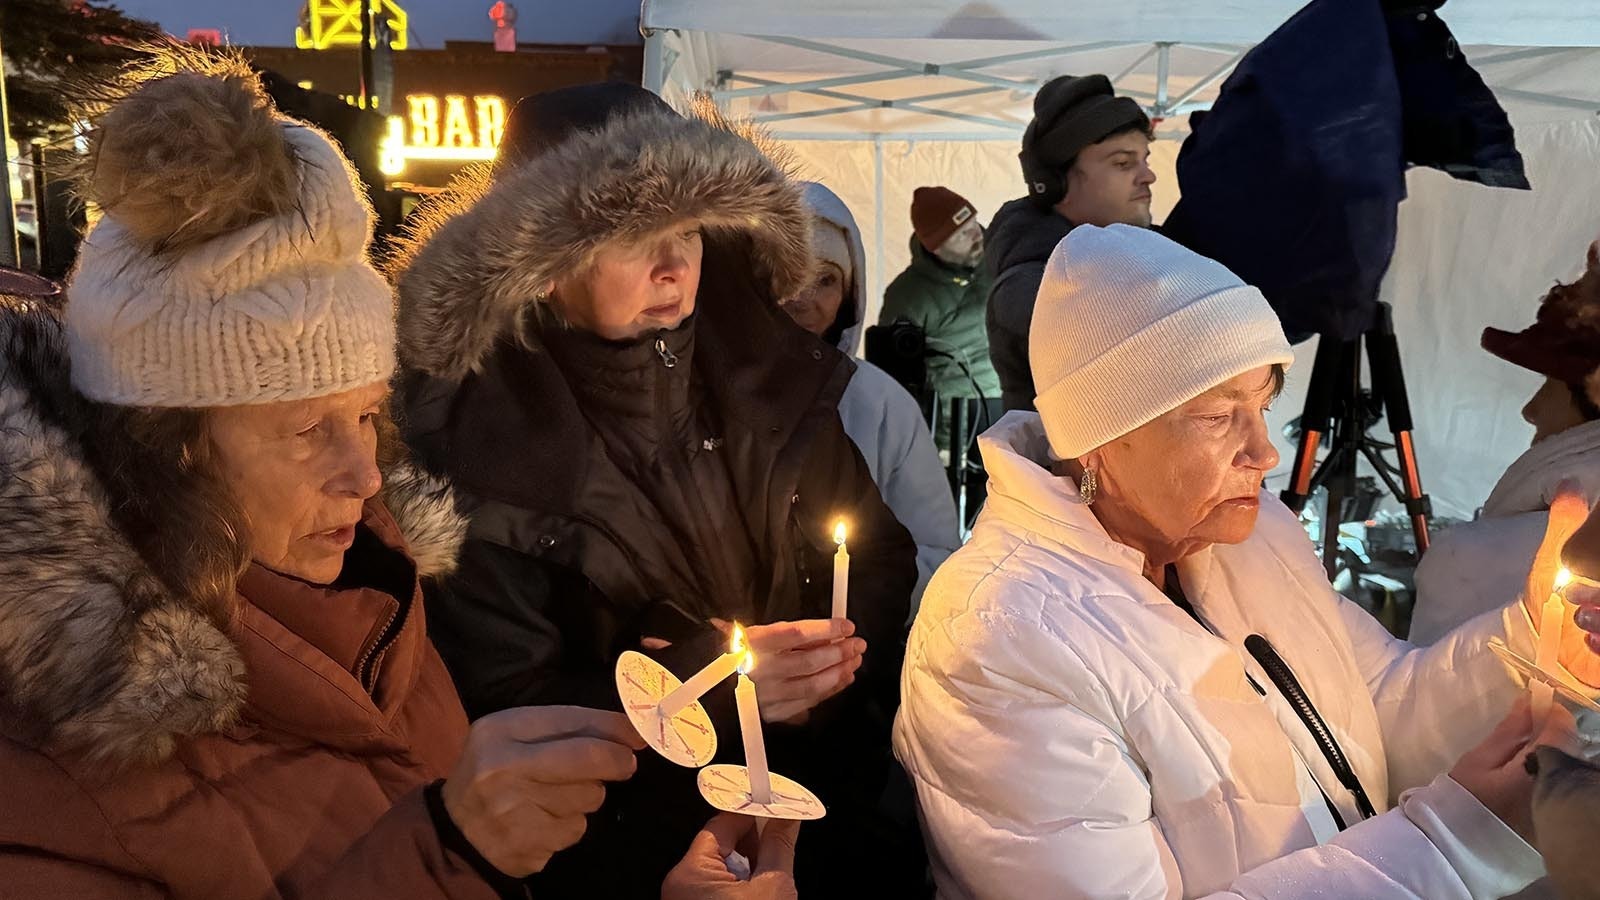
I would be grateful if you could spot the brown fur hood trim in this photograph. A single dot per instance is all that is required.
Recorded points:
(424, 506)
(97, 654)
(477, 257)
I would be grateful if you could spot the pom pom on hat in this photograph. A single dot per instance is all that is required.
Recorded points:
(230, 267)
(191, 155)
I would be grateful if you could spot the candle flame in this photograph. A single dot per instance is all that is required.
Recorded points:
(839, 533)
(1563, 578)
(736, 645)
(748, 663)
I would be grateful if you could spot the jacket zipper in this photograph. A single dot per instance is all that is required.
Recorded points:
(369, 659)
(1283, 678)
(676, 459)
(668, 358)
(1290, 690)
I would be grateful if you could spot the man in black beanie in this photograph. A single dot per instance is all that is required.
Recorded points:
(1086, 160)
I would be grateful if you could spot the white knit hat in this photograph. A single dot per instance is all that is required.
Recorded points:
(1129, 325)
(830, 244)
(210, 297)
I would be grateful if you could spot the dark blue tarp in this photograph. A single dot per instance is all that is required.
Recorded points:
(1294, 178)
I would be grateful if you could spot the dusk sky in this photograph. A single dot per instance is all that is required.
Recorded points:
(432, 22)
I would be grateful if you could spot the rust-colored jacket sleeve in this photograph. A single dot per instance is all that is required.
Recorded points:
(71, 853)
(404, 855)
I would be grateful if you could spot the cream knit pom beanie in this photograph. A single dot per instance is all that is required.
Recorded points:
(230, 266)
(1129, 325)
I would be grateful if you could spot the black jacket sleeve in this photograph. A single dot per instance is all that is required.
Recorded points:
(501, 624)
(515, 630)
(1010, 313)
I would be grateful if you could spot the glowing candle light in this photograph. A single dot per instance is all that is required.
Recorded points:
(755, 746)
(841, 574)
(705, 679)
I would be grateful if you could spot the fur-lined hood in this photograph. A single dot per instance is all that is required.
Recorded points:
(98, 655)
(477, 257)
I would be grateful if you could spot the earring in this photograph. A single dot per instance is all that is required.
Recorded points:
(1087, 486)
(542, 296)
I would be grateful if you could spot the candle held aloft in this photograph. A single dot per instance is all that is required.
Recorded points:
(841, 575)
(755, 746)
(705, 679)
(1552, 620)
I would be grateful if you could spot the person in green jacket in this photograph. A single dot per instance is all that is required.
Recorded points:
(945, 292)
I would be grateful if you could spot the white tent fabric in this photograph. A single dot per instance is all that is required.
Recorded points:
(878, 97)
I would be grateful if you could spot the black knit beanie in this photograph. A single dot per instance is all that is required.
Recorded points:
(1071, 113)
(543, 120)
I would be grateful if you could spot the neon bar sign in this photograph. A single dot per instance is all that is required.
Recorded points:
(452, 128)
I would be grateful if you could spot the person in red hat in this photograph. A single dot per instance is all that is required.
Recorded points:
(945, 292)
(1474, 567)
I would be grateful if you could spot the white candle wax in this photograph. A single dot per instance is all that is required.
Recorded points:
(841, 576)
(702, 682)
(1552, 619)
(755, 747)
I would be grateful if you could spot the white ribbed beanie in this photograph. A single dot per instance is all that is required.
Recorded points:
(1129, 325)
(285, 307)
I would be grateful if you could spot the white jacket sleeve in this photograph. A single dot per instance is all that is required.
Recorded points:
(1027, 790)
(1471, 569)
(1435, 703)
(1438, 842)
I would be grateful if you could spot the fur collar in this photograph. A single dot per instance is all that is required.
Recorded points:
(97, 655)
(476, 259)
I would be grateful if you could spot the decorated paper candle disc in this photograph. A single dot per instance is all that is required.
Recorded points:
(1565, 687)
(728, 789)
(687, 738)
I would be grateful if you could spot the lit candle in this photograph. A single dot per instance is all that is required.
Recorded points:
(1552, 619)
(705, 679)
(755, 748)
(841, 574)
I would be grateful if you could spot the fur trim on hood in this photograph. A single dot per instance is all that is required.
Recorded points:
(475, 260)
(98, 654)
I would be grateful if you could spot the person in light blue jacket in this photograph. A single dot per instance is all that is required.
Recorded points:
(878, 413)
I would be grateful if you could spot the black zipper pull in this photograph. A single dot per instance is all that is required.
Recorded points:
(668, 358)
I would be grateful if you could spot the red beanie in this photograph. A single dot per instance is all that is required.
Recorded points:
(936, 213)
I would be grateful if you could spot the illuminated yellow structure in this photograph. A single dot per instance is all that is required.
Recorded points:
(337, 23)
(451, 131)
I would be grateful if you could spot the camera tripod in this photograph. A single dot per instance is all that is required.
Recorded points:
(1340, 409)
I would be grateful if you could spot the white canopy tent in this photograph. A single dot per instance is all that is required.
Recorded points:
(877, 97)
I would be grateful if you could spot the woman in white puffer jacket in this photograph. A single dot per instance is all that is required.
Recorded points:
(1135, 681)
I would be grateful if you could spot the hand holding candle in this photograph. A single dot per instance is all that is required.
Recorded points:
(841, 574)
(802, 664)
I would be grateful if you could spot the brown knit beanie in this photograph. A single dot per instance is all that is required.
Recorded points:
(1564, 340)
(936, 213)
